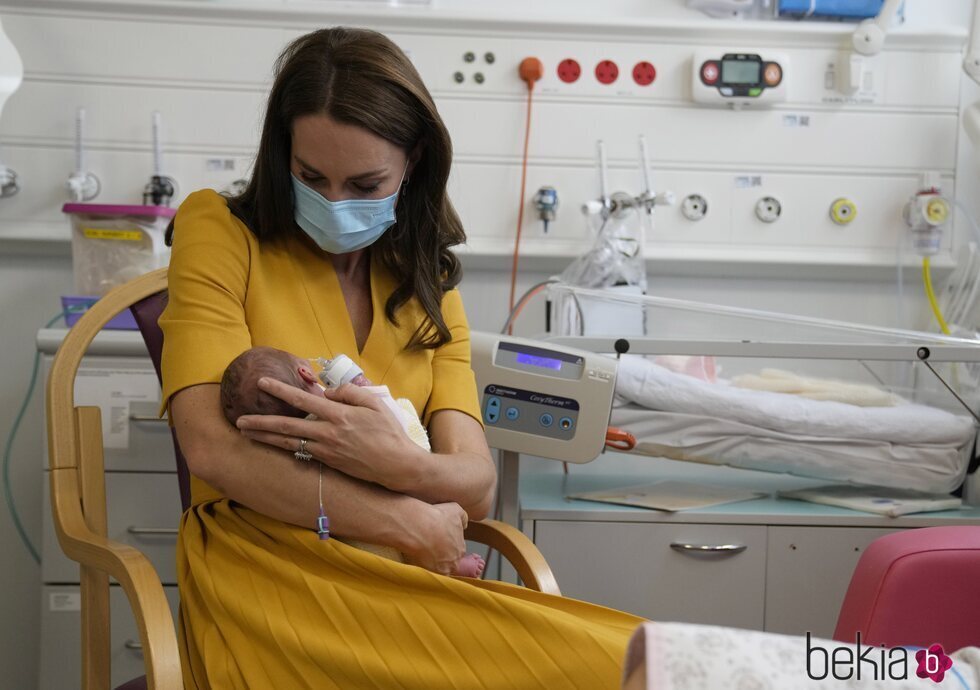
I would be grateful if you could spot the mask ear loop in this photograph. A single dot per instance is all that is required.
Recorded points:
(396, 232)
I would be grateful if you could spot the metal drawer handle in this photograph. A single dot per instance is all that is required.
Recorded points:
(147, 418)
(708, 548)
(156, 531)
(133, 645)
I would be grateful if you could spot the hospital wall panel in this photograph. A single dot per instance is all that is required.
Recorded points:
(207, 73)
(709, 137)
(116, 49)
(120, 115)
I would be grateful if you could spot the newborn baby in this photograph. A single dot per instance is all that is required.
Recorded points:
(240, 395)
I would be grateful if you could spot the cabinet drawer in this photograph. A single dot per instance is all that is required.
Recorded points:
(61, 620)
(144, 511)
(643, 568)
(128, 393)
(807, 575)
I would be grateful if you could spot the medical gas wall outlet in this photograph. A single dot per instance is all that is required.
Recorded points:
(694, 207)
(843, 211)
(768, 209)
(546, 204)
(82, 185)
(926, 214)
(161, 188)
(736, 79)
(8, 182)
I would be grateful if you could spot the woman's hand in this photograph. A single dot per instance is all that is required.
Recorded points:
(354, 433)
(439, 544)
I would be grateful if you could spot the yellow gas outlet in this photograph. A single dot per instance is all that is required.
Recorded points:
(937, 210)
(843, 211)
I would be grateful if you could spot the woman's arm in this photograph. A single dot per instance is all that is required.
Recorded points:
(273, 483)
(357, 435)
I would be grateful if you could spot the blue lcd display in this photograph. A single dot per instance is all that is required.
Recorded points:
(544, 362)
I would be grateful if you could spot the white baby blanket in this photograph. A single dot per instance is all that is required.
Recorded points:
(645, 383)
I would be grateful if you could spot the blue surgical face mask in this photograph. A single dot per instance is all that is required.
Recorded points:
(345, 226)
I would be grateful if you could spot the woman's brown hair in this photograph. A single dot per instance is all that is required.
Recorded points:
(360, 77)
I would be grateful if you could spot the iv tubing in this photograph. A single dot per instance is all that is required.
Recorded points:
(930, 293)
(7, 493)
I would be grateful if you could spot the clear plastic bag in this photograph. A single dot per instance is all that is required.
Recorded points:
(616, 258)
(113, 244)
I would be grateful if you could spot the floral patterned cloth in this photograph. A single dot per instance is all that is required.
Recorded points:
(681, 656)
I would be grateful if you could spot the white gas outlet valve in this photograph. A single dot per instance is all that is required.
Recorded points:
(768, 209)
(694, 207)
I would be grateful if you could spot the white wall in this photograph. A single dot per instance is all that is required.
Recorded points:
(206, 67)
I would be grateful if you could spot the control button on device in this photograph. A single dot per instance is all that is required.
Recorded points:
(773, 74)
(755, 92)
(565, 423)
(546, 419)
(726, 91)
(512, 413)
(709, 72)
(492, 413)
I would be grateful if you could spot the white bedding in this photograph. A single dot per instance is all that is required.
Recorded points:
(644, 383)
(929, 467)
(903, 446)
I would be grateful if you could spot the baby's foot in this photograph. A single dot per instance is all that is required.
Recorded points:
(470, 565)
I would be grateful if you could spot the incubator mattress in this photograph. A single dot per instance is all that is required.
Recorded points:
(680, 417)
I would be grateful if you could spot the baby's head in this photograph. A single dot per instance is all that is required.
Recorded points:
(240, 392)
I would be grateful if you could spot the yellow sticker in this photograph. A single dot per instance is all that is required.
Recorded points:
(108, 234)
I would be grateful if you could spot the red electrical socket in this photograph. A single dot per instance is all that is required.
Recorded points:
(606, 72)
(569, 70)
(644, 73)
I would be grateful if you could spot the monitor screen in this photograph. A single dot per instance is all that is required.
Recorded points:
(534, 360)
(740, 71)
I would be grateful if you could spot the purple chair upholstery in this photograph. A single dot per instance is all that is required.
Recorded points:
(147, 313)
(134, 684)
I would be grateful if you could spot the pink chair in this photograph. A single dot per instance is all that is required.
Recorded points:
(916, 588)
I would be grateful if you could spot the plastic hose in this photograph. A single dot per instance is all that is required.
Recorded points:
(7, 493)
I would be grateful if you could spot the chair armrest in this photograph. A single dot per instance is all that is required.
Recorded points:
(520, 551)
(134, 573)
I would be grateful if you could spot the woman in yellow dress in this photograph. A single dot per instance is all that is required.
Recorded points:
(341, 244)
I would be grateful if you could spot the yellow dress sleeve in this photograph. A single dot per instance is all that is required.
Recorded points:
(204, 321)
(453, 382)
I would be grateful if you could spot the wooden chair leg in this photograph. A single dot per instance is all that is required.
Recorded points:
(96, 633)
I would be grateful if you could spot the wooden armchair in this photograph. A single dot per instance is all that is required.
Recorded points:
(78, 502)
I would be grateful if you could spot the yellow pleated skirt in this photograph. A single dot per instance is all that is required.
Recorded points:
(268, 605)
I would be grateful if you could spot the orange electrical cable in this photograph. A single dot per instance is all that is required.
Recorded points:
(520, 209)
(515, 312)
(530, 71)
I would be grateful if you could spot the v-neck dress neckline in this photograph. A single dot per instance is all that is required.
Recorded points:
(322, 286)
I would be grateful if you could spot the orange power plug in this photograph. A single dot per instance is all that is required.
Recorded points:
(530, 71)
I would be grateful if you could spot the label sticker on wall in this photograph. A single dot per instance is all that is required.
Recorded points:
(748, 181)
(113, 390)
(110, 234)
(62, 602)
(794, 120)
(216, 164)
